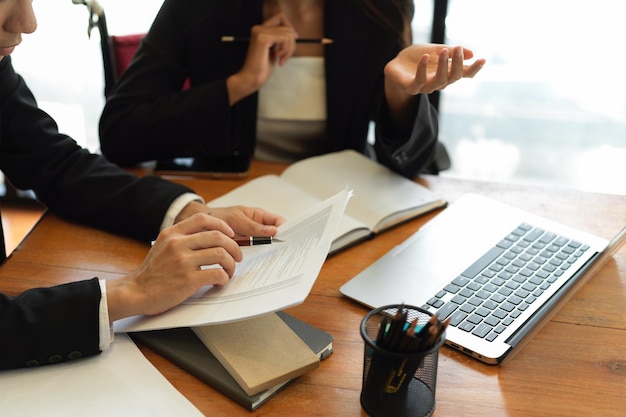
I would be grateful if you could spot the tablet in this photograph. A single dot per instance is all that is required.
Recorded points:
(226, 167)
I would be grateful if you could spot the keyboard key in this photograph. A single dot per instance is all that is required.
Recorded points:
(435, 302)
(491, 336)
(499, 329)
(474, 319)
(482, 262)
(482, 311)
(468, 327)
(501, 314)
(482, 330)
(467, 308)
(458, 299)
(492, 321)
(456, 318)
(460, 281)
(446, 310)
(451, 288)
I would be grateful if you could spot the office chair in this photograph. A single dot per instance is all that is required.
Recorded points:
(117, 51)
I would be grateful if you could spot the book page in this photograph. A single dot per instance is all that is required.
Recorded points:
(274, 194)
(382, 197)
(270, 277)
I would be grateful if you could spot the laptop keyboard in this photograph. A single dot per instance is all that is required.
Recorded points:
(492, 293)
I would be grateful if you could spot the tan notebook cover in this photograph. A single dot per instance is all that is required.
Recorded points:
(259, 352)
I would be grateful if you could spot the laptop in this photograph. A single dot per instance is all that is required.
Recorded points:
(498, 273)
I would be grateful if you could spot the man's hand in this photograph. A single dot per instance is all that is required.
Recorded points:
(245, 221)
(171, 272)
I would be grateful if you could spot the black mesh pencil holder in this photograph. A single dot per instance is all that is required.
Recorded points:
(398, 381)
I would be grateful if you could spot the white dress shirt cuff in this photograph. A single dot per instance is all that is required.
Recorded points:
(106, 328)
(177, 206)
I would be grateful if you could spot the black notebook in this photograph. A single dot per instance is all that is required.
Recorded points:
(183, 347)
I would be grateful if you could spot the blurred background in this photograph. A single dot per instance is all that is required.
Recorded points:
(548, 108)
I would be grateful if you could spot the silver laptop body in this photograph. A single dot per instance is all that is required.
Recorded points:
(429, 270)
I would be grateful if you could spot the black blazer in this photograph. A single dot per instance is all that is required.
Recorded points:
(147, 116)
(49, 325)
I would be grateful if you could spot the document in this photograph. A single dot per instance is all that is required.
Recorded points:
(382, 198)
(270, 277)
(118, 382)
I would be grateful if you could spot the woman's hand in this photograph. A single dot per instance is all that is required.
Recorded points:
(424, 68)
(272, 42)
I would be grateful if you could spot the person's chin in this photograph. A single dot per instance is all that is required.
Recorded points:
(5, 51)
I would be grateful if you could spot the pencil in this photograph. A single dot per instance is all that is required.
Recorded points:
(239, 39)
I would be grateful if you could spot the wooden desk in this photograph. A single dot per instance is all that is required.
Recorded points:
(575, 365)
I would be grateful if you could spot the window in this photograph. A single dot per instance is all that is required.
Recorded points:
(550, 105)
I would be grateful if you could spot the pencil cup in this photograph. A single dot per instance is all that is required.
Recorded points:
(398, 381)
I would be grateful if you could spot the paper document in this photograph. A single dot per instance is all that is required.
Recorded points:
(118, 382)
(270, 277)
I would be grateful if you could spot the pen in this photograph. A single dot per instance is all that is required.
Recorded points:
(323, 41)
(255, 240)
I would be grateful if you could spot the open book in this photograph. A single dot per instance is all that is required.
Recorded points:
(382, 198)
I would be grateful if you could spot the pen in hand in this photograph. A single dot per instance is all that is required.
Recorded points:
(255, 240)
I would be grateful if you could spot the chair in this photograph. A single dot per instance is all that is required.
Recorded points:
(117, 51)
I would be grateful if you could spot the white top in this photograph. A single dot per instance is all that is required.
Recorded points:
(291, 119)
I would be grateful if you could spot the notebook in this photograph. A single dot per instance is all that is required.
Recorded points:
(496, 271)
(183, 347)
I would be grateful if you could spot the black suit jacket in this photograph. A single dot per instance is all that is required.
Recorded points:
(148, 117)
(48, 325)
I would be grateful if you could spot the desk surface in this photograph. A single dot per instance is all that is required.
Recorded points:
(575, 365)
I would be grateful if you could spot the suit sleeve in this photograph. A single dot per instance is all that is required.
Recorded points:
(69, 180)
(150, 115)
(49, 325)
(409, 154)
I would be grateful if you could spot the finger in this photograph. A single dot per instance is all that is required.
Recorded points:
(264, 217)
(214, 257)
(216, 244)
(457, 65)
(214, 276)
(421, 75)
(200, 222)
(468, 53)
(280, 42)
(440, 79)
(279, 19)
(471, 70)
(252, 228)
